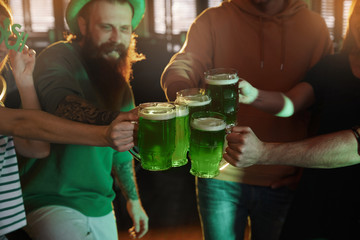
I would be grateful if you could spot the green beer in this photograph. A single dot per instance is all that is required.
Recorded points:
(182, 136)
(197, 99)
(222, 86)
(156, 135)
(206, 143)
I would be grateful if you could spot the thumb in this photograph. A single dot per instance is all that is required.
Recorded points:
(247, 93)
(127, 116)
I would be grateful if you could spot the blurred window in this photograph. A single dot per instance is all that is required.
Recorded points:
(214, 3)
(35, 16)
(347, 5)
(175, 16)
(335, 14)
(17, 10)
(329, 12)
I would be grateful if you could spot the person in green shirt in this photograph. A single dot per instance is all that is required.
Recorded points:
(69, 194)
(21, 130)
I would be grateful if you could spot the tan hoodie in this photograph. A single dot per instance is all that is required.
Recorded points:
(271, 52)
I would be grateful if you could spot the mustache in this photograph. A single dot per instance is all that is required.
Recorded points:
(110, 47)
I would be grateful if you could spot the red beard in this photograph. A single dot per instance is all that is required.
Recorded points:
(105, 75)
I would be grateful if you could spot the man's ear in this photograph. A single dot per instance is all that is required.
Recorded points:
(82, 25)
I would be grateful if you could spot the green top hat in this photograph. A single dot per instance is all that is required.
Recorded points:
(75, 6)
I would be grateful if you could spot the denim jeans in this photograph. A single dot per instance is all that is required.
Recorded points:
(224, 207)
(63, 223)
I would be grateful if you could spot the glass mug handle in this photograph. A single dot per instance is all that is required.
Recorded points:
(223, 163)
(135, 153)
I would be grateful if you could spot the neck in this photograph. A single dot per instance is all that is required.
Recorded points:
(270, 7)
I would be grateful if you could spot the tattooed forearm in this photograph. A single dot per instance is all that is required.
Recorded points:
(77, 109)
(124, 173)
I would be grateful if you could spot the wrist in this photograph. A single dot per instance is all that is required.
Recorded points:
(288, 108)
(265, 151)
(104, 133)
(25, 83)
(134, 203)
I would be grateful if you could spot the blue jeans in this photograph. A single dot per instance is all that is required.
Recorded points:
(224, 207)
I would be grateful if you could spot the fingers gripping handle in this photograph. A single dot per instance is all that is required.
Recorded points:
(247, 93)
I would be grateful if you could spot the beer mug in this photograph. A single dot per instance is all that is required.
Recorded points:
(182, 136)
(197, 99)
(207, 138)
(156, 135)
(222, 84)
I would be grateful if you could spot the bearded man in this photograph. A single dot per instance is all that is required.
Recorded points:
(86, 78)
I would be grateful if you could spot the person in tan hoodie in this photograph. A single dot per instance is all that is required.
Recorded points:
(330, 196)
(272, 43)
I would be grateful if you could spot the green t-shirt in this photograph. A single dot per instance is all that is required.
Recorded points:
(74, 176)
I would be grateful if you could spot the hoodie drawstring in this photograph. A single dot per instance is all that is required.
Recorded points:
(261, 43)
(283, 46)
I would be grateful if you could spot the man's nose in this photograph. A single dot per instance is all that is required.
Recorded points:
(116, 36)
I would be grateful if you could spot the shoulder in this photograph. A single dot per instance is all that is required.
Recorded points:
(58, 51)
(308, 17)
(3, 140)
(56, 55)
(330, 61)
(57, 47)
(221, 13)
(328, 67)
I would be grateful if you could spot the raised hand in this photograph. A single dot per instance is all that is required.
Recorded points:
(120, 133)
(22, 64)
(244, 148)
(247, 93)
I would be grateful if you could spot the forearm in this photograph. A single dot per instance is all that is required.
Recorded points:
(29, 100)
(77, 109)
(280, 104)
(31, 148)
(125, 175)
(326, 151)
(268, 101)
(43, 126)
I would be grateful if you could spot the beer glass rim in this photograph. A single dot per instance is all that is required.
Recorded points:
(148, 104)
(222, 70)
(169, 110)
(181, 109)
(228, 76)
(202, 91)
(207, 114)
(190, 97)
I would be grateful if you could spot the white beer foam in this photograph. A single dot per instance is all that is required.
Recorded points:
(221, 79)
(180, 112)
(194, 101)
(208, 124)
(157, 113)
